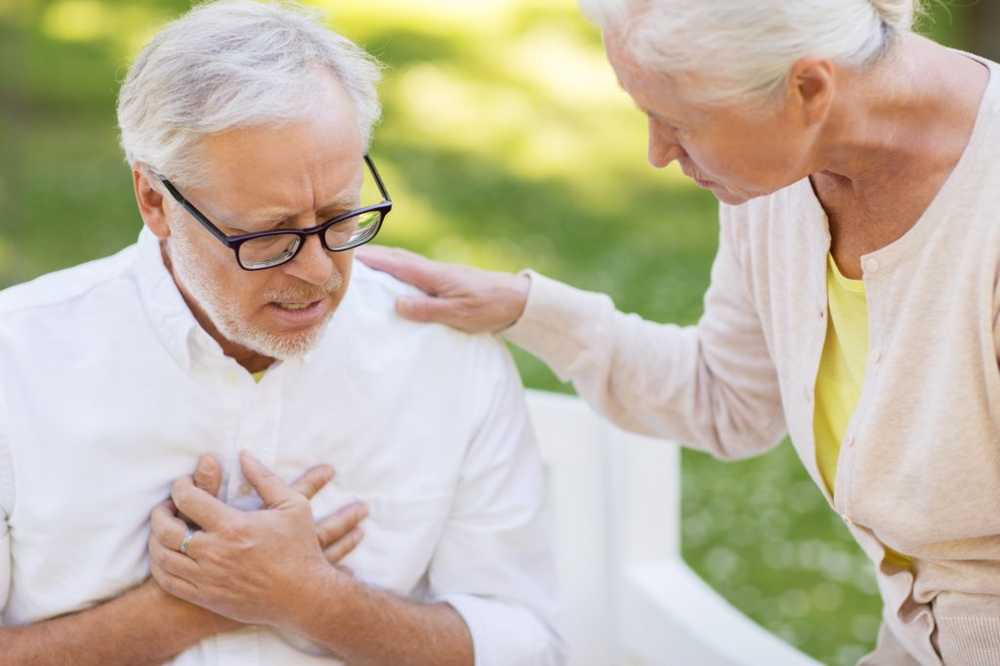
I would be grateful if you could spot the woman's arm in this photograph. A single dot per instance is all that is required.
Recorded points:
(712, 385)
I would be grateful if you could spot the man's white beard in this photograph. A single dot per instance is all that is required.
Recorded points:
(224, 314)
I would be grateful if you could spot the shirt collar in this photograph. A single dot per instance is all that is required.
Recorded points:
(174, 324)
(172, 320)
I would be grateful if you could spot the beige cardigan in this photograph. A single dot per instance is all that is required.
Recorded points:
(919, 469)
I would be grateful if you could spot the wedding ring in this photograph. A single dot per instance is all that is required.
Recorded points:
(186, 542)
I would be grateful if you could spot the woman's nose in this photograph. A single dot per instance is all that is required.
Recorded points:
(663, 146)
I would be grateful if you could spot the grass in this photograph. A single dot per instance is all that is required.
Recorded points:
(506, 144)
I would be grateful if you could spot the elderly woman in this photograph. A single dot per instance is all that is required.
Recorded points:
(854, 297)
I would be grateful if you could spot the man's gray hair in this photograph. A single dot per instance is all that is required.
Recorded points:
(231, 64)
(745, 49)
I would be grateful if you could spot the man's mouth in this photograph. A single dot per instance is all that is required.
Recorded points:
(298, 314)
(295, 306)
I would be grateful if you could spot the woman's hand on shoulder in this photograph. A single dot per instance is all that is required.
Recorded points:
(466, 298)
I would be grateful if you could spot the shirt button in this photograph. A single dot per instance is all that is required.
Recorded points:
(807, 394)
(877, 356)
(822, 314)
(850, 441)
(871, 265)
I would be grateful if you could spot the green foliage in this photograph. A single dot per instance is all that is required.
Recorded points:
(506, 144)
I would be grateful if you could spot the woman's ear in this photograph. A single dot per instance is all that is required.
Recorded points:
(151, 202)
(811, 87)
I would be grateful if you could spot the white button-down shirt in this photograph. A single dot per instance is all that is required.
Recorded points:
(109, 390)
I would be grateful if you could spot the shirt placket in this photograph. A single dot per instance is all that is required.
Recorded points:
(259, 416)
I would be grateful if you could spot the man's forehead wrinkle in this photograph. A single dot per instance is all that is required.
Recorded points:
(344, 200)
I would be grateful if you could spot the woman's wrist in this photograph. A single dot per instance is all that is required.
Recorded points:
(515, 298)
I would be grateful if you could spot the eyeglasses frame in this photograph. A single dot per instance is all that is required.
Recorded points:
(234, 242)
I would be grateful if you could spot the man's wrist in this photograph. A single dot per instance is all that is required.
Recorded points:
(184, 615)
(325, 593)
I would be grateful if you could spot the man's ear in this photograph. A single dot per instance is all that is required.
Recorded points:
(151, 202)
(811, 88)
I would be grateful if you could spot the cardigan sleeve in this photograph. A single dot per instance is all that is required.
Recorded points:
(996, 321)
(712, 386)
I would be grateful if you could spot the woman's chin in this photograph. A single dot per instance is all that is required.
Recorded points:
(730, 198)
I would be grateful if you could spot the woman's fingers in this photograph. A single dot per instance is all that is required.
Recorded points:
(429, 309)
(466, 298)
(404, 265)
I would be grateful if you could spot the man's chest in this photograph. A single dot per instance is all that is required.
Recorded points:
(86, 484)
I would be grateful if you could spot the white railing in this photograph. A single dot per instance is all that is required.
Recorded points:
(614, 503)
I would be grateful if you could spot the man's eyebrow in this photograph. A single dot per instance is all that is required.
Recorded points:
(342, 203)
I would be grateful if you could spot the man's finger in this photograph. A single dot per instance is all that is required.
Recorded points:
(175, 586)
(208, 475)
(313, 480)
(170, 561)
(340, 523)
(268, 485)
(165, 527)
(206, 511)
(345, 546)
(407, 266)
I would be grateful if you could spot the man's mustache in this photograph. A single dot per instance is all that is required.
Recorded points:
(305, 294)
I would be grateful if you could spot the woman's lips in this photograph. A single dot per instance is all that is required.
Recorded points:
(697, 179)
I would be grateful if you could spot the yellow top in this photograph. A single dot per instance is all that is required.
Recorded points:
(257, 376)
(841, 375)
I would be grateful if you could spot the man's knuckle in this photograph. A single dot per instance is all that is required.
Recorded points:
(234, 531)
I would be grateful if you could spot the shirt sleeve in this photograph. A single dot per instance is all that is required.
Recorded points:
(712, 386)
(494, 561)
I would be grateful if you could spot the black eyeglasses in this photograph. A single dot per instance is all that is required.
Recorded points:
(266, 249)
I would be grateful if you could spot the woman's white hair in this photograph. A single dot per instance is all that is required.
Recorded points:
(744, 49)
(230, 64)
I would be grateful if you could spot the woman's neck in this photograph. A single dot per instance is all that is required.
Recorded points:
(910, 118)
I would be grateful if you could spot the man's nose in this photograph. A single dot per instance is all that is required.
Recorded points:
(313, 263)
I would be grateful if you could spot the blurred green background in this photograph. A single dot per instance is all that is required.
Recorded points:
(505, 143)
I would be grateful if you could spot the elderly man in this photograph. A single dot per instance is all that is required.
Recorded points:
(228, 334)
